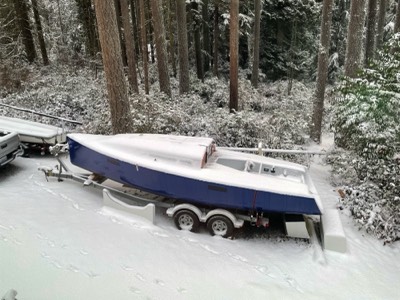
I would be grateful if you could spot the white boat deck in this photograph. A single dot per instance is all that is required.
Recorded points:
(33, 132)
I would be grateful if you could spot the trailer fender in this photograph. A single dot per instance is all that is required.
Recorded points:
(173, 210)
(237, 223)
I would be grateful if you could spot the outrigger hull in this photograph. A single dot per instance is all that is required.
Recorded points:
(200, 190)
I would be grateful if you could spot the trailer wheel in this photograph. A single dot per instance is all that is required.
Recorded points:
(186, 220)
(220, 225)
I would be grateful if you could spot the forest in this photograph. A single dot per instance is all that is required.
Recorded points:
(286, 73)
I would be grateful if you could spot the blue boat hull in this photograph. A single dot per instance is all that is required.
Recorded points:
(188, 189)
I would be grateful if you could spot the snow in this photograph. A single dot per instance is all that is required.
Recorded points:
(29, 128)
(57, 241)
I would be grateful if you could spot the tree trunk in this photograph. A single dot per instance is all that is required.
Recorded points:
(135, 18)
(171, 36)
(381, 23)
(206, 36)
(216, 38)
(184, 83)
(256, 44)
(197, 40)
(129, 44)
(88, 20)
(322, 73)
(113, 66)
(161, 49)
(354, 38)
(397, 23)
(234, 56)
(119, 26)
(371, 31)
(145, 55)
(21, 11)
(39, 30)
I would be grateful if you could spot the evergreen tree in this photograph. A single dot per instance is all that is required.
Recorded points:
(233, 56)
(21, 11)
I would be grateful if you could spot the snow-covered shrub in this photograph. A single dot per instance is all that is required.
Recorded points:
(367, 122)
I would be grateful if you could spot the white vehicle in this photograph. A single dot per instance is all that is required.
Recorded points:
(9, 147)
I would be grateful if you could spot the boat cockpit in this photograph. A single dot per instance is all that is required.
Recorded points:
(254, 167)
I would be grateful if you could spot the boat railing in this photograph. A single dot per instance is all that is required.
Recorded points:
(32, 112)
(262, 151)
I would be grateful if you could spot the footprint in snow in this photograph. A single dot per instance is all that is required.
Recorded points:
(51, 244)
(44, 255)
(83, 252)
(140, 277)
(127, 268)
(41, 236)
(206, 247)
(50, 192)
(73, 269)
(293, 283)
(181, 290)
(77, 207)
(57, 264)
(237, 257)
(159, 282)
(91, 274)
(160, 234)
(264, 270)
(187, 239)
(5, 227)
(134, 290)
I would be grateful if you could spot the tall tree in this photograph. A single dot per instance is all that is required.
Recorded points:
(216, 38)
(256, 46)
(322, 72)
(121, 39)
(381, 23)
(113, 66)
(354, 38)
(21, 11)
(371, 31)
(183, 55)
(161, 49)
(397, 22)
(39, 30)
(129, 44)
(234, 56)
(145, 54)
(197, 39)
(87, 17)
(135, 17)
(206, 36)
(171, 36)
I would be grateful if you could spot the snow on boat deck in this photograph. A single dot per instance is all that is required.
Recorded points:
(30, 128)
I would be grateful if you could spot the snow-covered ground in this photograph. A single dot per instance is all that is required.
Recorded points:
(58, 242)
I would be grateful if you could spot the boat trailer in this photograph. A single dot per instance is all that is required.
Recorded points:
(188, 216)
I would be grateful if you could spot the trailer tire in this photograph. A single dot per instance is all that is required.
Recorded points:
(220, 225)
(186, 220)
